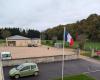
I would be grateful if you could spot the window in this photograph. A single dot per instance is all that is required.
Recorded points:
(6, 55)
(25, 68)
(19, 67)
(33, 66)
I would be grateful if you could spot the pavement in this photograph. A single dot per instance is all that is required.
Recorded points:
(41, 51)
(49, 71)
(90, 59)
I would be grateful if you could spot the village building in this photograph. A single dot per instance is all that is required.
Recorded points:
(20, 41)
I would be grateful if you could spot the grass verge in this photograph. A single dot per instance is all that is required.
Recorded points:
(77, 77)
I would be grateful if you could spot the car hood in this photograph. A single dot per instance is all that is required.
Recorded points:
(12, 71)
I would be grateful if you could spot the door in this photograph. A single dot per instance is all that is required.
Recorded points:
(32, 69)
(25, 71)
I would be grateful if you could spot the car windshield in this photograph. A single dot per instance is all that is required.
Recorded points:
(19, 67)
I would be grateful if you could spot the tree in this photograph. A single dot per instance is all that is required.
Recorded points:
(5, 33)
(33, 34)
(82, 40)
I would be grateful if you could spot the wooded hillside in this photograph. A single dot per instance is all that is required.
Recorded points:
(90, 27)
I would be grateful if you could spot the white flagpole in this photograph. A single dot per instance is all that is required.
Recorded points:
(63, 54)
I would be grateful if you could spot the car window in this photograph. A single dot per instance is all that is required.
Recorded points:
(6, 55)
(25, 68)
(33, 66)
(20, 67)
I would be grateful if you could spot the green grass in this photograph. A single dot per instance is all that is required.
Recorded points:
(2, 41)
(86, 53)
(97, 57)
(88, 45)
(77, 77)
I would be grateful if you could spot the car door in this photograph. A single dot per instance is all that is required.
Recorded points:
(32, 69)
(25, 71)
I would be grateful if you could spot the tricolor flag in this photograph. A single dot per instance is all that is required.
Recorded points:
(69, 39)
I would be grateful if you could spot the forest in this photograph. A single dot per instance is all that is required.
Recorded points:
(30, 33)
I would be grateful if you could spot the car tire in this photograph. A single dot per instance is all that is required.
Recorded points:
(16, 76)
(36, 73)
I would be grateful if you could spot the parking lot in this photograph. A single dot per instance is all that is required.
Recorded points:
(49, 71)
(41, 51)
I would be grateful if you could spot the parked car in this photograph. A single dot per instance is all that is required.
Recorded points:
(25, 69)
(32, 45)
(5, 55)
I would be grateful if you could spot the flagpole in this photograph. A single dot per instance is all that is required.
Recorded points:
(63, 55)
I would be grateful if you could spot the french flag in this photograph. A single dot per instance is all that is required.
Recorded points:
(69, 39)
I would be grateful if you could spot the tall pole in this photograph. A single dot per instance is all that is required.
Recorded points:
(63, 55)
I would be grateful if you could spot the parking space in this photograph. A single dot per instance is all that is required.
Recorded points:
(53, 70)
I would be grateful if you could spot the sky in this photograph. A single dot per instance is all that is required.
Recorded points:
(44, 14)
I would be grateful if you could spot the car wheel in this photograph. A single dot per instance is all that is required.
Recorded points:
(36, 73)
(16, 76)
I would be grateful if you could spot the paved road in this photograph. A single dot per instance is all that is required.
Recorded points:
(49, 71)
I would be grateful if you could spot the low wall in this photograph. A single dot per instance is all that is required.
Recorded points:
(13, 62)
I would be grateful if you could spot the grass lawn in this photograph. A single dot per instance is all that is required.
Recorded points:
(2, 41)
(97, 57)
(77, 77)
(88, 45)
(86, 53)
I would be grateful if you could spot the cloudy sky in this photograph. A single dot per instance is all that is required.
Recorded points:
(43, 14)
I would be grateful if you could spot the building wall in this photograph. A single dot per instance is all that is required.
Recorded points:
(24, 43)
(20, 42)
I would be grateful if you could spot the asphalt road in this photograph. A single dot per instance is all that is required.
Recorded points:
(49, 71)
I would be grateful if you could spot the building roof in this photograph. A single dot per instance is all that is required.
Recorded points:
(17, 37)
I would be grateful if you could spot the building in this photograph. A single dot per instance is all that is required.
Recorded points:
(17, 40)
